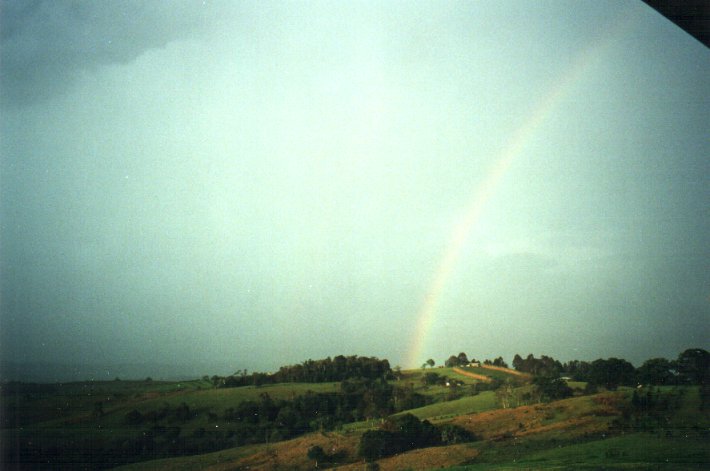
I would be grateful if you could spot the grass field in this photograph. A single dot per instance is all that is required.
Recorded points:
(575, 433)
(601, 431)
(61, 401)
(40, 414)
(465, 405)
(188, 463)
(634, 451)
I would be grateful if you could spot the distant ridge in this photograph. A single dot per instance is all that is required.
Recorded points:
(45, 372)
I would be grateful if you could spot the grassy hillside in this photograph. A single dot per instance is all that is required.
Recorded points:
(590, 432)
(84, 422)
(465, 405)
(87, 425)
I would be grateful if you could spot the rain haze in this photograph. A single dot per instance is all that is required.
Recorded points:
(224, 185)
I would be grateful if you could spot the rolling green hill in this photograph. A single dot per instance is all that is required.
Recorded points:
(195, 425)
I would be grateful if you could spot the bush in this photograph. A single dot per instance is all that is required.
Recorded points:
(134, 417)
(406, 432)
(452, 434)
(431, 378)
(552, 389)
(375, 444)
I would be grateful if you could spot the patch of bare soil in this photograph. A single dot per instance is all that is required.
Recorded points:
(425, 458)
(292, 454)
(575, 417)
(506, 370)
(483, 378)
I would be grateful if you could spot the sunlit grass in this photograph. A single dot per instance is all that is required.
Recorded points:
(634, 451)
(465, 405)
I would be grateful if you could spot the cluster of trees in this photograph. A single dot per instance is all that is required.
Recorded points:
(551, 389)
(271, 419)
(496, 362)
(358, 400)
(458, 360)
(462, 359)
(181, 413)
(407, 432)
(312, 371)
(543, 366)
(322, 458)
(691, 367)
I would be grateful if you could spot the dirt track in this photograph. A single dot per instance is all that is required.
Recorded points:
(483, 378)
(505, 370)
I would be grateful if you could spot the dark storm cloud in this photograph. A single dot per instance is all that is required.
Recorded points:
(46, 45)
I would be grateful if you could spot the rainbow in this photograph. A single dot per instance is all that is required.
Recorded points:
(514, 148)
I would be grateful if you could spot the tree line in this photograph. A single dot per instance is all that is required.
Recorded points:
(462, 360)
(267, 419)
(327, 370)
(691, 367)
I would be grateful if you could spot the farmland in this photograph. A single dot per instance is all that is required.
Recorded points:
(509, 421)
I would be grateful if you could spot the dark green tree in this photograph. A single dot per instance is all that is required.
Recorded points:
(134, 417)
(453, 434)
(462, 358)
(317, 454)
(98, 409)
(657, 371)
(431, 378)
(694, 366)
(182, 412)
(374, 445)
(612, 373)
(551, 389)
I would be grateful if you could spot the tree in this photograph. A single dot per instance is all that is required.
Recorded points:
(452, 434)
(408, 432)
(694, 366)
(317, 454)
(452, 361)
(98, 409)
(431, 362)
(657, 371)
(431, 378)
(134, 417)
(551, 389)
(504, 394)
(463, 359)
(182, 412)
(397, 370)
(612, 372)
(374, 444)
(517, 362)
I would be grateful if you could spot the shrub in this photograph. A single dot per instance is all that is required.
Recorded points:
(134, 417)
(452, 434)
(375, 444)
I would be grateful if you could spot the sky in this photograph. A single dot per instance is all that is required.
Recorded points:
(253, 184)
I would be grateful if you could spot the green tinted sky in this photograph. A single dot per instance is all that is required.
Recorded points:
(188, 182)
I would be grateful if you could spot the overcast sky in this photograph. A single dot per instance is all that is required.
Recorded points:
(262, 183)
